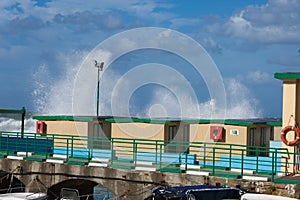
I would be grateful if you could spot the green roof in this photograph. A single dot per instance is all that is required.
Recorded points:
(7, 110)
(287, 75)
(134, 119)
(111, 119)
(236, 122)
(63, 118)
(279, 123)
(105, 118)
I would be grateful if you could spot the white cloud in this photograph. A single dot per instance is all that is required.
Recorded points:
(181, 22)
(259, 77)
(275, 22)
(25, 8)
(211, 45)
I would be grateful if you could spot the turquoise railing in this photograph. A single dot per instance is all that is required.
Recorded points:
(219, 159)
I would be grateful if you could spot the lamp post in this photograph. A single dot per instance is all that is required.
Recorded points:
(100, 68)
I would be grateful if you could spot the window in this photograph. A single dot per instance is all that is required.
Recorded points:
(251, 150)
(170, 136)
(186, 133)
(234, 132)
(272, 133)
(263, 137)
(263, 142)
(186, 138)
(252, 136)
(98, 132)
(99, 137)
(172, 132)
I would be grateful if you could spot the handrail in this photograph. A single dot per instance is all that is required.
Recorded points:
(209, 155)
(64, 136)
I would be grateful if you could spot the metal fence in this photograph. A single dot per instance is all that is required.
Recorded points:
(216, 159)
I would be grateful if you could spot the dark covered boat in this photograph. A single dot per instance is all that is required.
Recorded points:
(199, 192)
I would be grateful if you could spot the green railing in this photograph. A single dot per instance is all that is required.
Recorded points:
(217, 159)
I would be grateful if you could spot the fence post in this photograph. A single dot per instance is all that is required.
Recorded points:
(186, 159)
(34, 146)
(26, 146)
(204, 155)
(276, 161)
(1, 141)
(67, 159)
(7, 145)
(230, 155)
(47, 147)
(134, 151)
(160, 156)
(214, 152)
(72, 146)
(112, 150)
(273, 163)
(90, 147)
(256, 153)
(16, 143)
(156, 148)
(242, 167)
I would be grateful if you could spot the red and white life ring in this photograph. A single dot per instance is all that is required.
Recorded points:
(288, 129)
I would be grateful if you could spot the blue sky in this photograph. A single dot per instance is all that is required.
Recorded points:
(41, 42)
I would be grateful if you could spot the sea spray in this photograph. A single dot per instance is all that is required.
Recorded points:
(12, 124)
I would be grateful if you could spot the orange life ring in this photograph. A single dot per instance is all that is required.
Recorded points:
(285, 131)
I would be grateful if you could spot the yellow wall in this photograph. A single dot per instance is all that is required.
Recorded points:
(67, 127)
(138, 130)
(298, 101)
(201, 133)
(290, 110)
(289, 107)
(241, 138)
(289, 102)
(277, 133)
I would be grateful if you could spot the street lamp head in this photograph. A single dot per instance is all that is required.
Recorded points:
(99, 65)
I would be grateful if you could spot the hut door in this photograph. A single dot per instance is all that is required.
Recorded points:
(98, 136)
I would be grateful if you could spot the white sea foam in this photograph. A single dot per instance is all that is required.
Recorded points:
(55, 96)
(9, 124)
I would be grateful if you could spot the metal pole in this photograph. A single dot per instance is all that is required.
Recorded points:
(100, 68)
(98, 87)
(23, 121)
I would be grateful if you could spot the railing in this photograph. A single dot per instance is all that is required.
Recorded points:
(218, 159)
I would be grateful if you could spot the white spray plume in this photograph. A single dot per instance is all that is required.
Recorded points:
(55, 97)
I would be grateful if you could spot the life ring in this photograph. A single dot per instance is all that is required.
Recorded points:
(285, 131)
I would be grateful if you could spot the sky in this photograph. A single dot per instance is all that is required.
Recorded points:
(44, 45)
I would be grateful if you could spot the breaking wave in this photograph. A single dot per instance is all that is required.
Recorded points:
(12, 124)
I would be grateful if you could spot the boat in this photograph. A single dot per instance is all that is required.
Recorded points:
(199, 192)
(23, 196)
(252, 196)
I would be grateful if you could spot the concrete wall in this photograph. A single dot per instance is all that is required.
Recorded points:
(136, 185)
